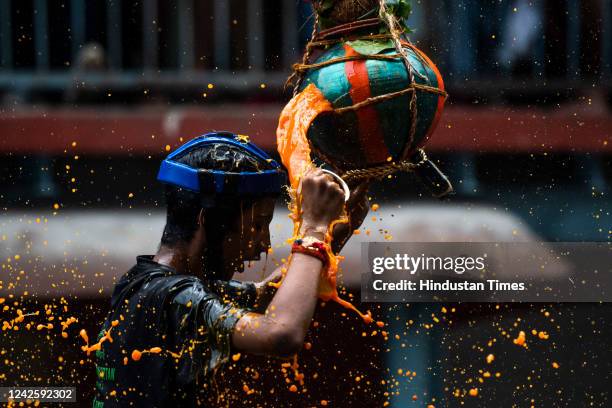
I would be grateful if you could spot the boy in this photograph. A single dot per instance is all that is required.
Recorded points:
(176, 315)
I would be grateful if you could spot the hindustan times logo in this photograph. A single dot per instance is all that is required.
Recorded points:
(414, 264)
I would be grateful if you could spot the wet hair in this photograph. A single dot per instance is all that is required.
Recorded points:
(183, 206)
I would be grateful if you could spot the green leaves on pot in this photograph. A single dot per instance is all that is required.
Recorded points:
(401, 10)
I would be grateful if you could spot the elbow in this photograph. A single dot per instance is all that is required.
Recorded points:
(287, 343)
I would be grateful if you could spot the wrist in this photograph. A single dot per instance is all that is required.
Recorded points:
(314, 230)
(312, 247)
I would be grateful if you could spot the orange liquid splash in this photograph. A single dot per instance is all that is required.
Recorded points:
(294, 151)
(97, 346)
(12, 324)
(136, 354)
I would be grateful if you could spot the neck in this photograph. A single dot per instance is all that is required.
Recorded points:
(182, 258)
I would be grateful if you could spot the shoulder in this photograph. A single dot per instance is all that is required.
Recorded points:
(189, 290)
(194, 303)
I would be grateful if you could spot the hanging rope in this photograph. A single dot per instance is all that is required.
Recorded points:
(306, 67)
(395, 34)
(381, 98)
(384, 170)
(305, 60)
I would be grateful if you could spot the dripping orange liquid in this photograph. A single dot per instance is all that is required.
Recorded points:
(294, 151)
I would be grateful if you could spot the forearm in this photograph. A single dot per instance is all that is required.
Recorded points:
(357, 209)
(340, 236)
(265, 291)
(294, 302)
(281, 329)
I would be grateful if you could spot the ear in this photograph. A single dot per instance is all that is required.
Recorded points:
(201, 218)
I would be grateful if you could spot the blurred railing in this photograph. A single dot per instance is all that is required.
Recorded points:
(122, 44)
(240, 44)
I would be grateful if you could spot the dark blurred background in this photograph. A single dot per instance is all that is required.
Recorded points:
(94, 93)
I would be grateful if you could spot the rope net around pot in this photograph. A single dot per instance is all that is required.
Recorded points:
(368, 20)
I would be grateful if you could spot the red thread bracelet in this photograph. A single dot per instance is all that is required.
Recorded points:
(317, 251)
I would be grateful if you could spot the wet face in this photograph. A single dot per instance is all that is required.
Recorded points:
(248, 237)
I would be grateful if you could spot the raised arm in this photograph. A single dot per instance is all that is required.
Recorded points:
(281, 329)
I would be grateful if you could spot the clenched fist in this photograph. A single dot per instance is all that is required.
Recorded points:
(322, 200)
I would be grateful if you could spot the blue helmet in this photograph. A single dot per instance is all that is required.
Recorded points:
(210, 183)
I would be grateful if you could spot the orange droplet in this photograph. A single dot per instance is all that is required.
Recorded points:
(356, 232)
(380, 324)
(375, 207)
(114, 323)
(155, 350)
(243, 138)
(293, 388)
(83, 334)
(555, 365)
(414, 397)
(125, 360)
(520, 340)
(136, 355)
(65, 335)
(324, 403)
(236, 357)
(307, 345)
(167, 148)
(490, 358)
(473, 392)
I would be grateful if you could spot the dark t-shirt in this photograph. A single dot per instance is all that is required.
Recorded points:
(190, 320)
